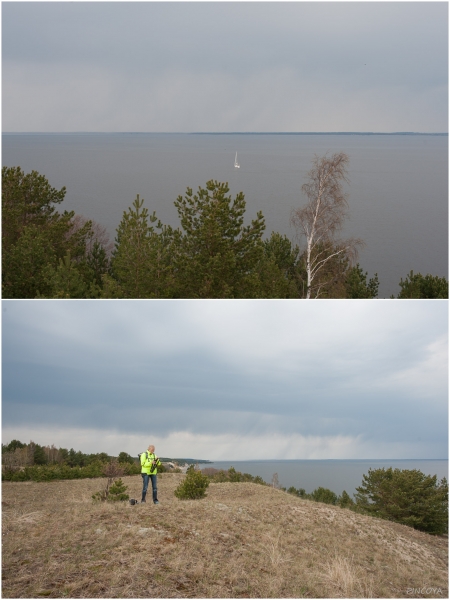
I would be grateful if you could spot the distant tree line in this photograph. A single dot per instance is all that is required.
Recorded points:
(25, 462)
(231, 475)
(33, 462)
(22, 454)
(212, 254)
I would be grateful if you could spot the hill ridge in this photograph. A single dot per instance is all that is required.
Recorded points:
(241, 540)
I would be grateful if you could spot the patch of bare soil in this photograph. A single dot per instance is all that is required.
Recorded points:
(242, 540)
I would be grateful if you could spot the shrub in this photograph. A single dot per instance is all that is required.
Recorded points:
(344, 501)
(53, 472)
(13, 475)
(113, 471)
(99, 496)
(221, 476)
(115, 492)
(118, 491)
(259, 480)
(210, 471)
(324, 495)
(193, 486)
(300, 492)
(234, 475)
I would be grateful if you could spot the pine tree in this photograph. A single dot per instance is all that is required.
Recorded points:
(118, 492)
(34, 234)
(218, 256)
(406, 496)
(357, 285)
(65, 281)
(98, 263)
(25, 264)
(141, 261)
(344, 501)
(423, 286)
(324, 495)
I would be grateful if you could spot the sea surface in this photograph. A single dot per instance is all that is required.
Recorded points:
(336, 475)
(398, 191)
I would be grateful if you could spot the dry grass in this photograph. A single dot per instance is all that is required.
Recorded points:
(346, 579)
(242, 540)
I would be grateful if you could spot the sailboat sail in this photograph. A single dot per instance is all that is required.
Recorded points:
(236, 164)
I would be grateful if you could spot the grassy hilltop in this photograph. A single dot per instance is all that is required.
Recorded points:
(242, 540)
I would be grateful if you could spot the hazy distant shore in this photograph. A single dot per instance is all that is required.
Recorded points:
(219, 133)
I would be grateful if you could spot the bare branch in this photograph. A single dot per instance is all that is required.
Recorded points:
(99, 234)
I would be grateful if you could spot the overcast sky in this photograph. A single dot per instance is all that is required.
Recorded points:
(225, 66)
(228, 380)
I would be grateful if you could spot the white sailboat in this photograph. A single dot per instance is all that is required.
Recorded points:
(236, 164)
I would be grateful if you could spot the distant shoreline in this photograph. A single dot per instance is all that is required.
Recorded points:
(314, 133)
(371, 133)
(297, 460)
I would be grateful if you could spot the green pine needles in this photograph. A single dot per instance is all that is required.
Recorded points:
(117, 492)
(406, 496)
(193, 486)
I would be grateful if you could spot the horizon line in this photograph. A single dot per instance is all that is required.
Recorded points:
(223, 133)
(286, 459)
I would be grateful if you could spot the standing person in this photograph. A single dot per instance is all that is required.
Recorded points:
(149, 465)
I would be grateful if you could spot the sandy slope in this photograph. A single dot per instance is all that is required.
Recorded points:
(242, 540)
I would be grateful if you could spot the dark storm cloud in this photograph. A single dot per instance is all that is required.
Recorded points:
(377, 370)
(187, 66)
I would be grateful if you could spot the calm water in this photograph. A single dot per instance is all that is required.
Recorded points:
(336, 475)
(398, 194)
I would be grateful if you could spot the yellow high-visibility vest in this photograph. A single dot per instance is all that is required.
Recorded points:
(149, 463)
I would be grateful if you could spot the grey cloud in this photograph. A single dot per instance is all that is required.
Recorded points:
(223, 34)
(224, 66)
(318, 369)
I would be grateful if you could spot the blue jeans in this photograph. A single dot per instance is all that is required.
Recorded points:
(145, 478)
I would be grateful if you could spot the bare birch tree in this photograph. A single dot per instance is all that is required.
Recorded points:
(321, 220)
